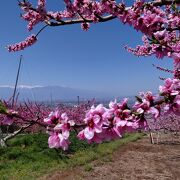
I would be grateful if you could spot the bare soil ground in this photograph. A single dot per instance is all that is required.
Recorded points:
(138, 160)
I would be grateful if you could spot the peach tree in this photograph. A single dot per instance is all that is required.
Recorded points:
(158, 20)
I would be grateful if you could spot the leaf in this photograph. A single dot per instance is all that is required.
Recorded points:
(174, 7)
(3, 109)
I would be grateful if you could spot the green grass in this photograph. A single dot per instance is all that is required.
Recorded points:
(88, 167)
(28, 156)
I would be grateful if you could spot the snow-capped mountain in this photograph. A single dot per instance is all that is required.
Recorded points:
(48, 93)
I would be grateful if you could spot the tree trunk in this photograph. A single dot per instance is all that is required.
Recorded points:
(2, 143)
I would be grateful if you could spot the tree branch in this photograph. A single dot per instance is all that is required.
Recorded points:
(10, 136)
(164, 2)
(77, 21)
(101, 19)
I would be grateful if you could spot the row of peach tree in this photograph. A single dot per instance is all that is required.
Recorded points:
(158, 20)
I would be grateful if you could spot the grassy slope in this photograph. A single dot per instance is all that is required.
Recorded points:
(28, 157)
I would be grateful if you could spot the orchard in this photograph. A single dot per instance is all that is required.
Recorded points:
(158, 21)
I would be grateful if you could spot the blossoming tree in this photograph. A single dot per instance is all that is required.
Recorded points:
(158, 20)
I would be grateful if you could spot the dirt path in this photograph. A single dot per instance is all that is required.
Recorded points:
(135, 161)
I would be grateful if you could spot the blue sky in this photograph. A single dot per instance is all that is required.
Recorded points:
(68, 56)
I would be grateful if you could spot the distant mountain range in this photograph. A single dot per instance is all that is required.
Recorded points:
(54, 93)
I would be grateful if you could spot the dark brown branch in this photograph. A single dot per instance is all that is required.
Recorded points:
(101, 19)
(41, 30)
(24, 119)
(31, 121)
(77, 21)
(164, 2)
(111, 17)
